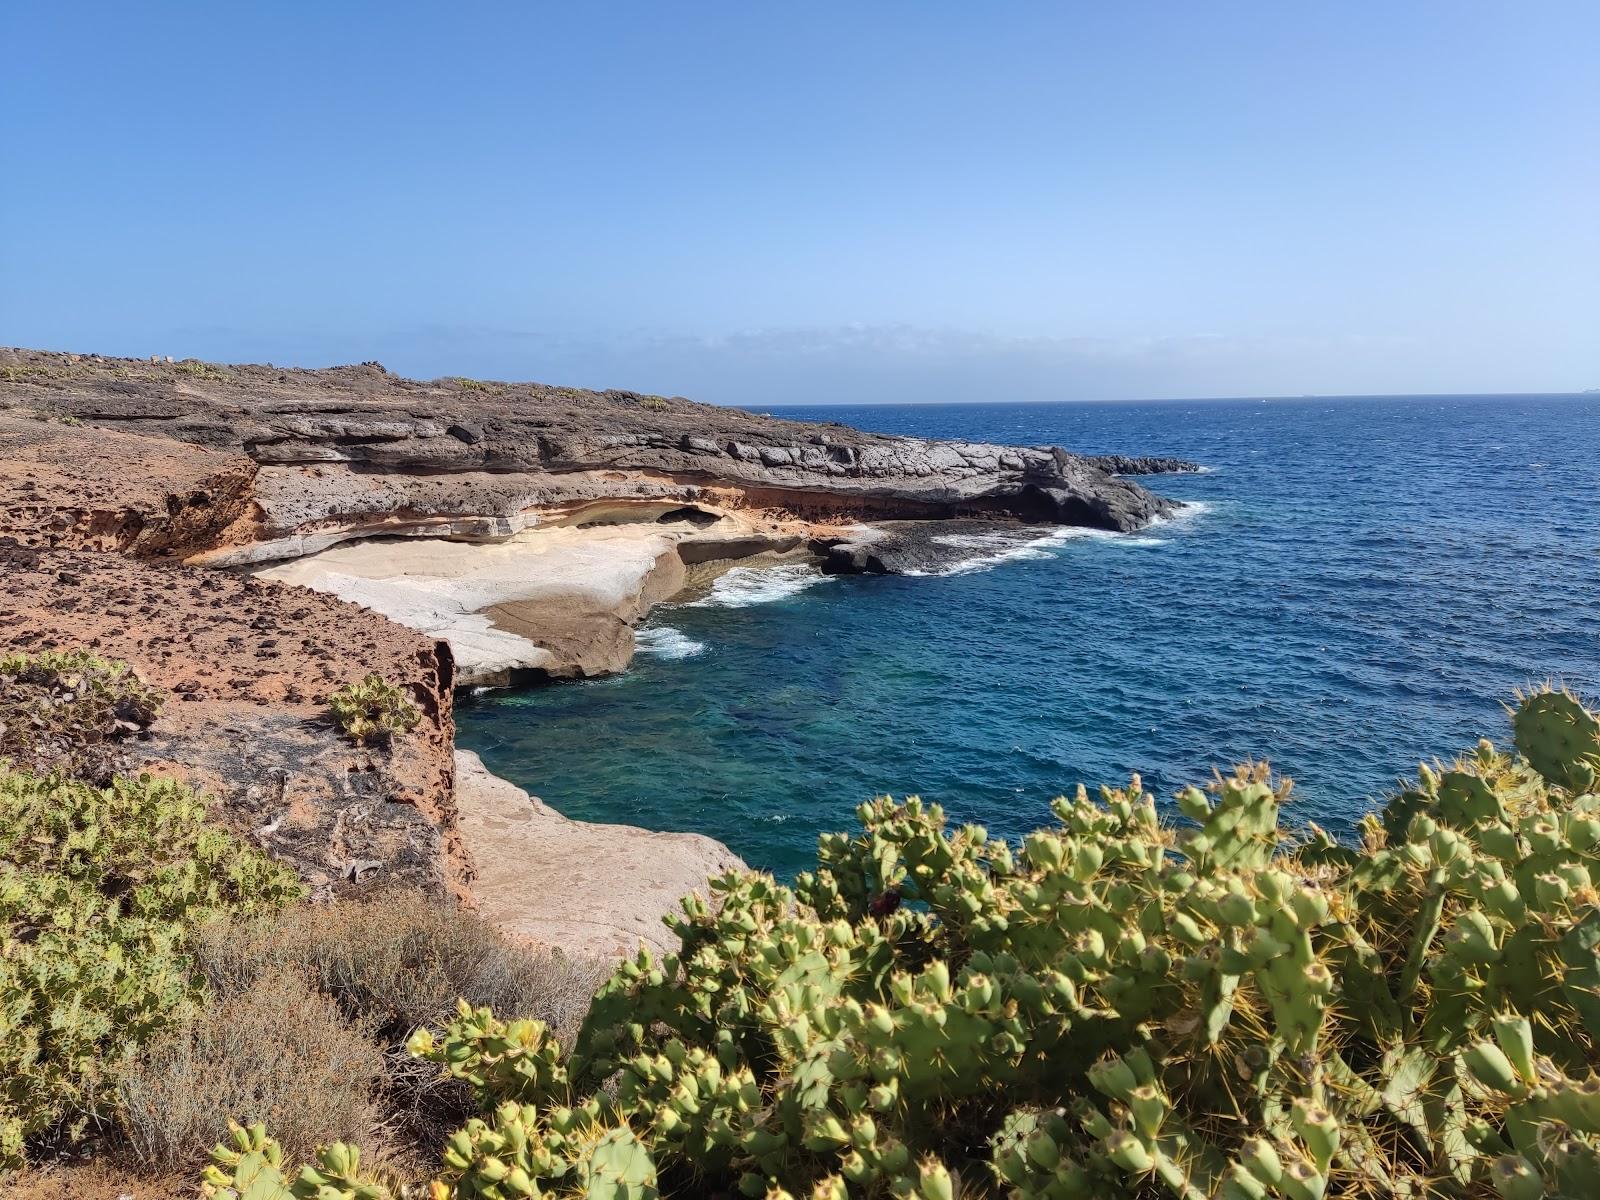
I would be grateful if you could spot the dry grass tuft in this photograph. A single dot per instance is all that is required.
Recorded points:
(391, 965)
(401, 961)
(278, 1052)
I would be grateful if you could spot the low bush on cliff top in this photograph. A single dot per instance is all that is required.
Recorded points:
(196, 369)
(399, 961)
(373, 710)
(1114, 1008)
(101, 891)
(307, 1013)
(278, 1050)
(390, 965)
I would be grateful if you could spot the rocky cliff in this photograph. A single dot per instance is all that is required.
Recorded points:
(234, 532)
(356, 451)
(247, 668)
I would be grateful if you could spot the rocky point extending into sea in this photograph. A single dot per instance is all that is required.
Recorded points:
(250, 538)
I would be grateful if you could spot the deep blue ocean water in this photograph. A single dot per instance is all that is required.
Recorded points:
(1360, 586)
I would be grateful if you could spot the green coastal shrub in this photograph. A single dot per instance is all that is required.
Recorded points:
(1116, 1007)
(101, 891)
(373, 710)
(194, 368)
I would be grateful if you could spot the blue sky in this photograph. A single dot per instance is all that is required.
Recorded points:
(758, 203)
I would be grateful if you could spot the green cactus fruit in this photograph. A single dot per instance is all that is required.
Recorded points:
(1240, 1184)
(1500, 842)
(1551, 890)
(1237, 909)
(1318, 1130)
(1515, 1037)
(1043, 1151)
(1472, 939)
(1310, 907)
(1584, 833)
(1128, 1152)
(1193, 804)
(1113, 1077)
(1490, 1067)
(1149, 1110)
(933, 1181)
(1303, 1181)
(1260, 1158)
(1583, 1105)
(1576, 1166)
(1186, 928)
(1544, 839)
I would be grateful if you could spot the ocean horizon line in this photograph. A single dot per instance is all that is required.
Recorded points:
(852, 404)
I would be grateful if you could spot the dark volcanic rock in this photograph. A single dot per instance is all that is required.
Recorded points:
(924, 547)
(1123, 464)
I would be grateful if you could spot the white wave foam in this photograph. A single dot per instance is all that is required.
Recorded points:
(743, 587)
(666, 642)
(1002, 548)
(1188, 512)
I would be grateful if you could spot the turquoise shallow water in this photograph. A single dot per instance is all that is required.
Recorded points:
(1359, 586)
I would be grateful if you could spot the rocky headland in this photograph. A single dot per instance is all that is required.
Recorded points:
(251, 538)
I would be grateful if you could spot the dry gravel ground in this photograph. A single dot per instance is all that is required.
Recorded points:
(94, 1179)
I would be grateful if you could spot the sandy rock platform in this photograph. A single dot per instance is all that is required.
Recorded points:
(587, 889)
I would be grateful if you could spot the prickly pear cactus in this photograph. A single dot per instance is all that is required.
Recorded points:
(373, 710)
(101, 890)
(1560, 738)
(249, 1166)
(499, 1060)
(66, 710)
(1117, 1007)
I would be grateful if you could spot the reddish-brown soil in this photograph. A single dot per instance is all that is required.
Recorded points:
(248, 667)
(100, 489)
(94, 1179)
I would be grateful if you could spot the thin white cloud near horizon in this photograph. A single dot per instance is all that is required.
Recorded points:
(891, 363)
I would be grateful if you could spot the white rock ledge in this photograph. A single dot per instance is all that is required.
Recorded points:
(559, 599)
(586, 889)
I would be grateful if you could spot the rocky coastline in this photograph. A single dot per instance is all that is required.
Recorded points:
(250, 538)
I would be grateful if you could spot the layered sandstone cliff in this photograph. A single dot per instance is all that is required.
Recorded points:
(352, 451)
(251, 538)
